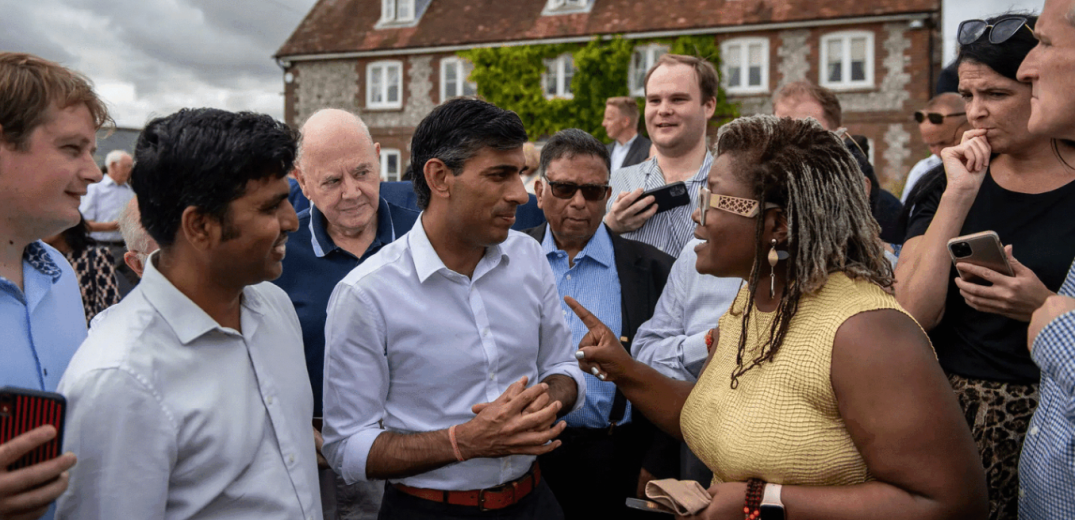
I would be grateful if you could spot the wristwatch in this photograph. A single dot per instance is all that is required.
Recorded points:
(771, 507)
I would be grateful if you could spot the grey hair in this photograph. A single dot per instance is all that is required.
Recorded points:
(572, 142)
(134, 235)
(359, 123)
(115, 156)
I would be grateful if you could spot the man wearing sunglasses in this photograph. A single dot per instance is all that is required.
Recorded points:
(941, 123)
(598, 465)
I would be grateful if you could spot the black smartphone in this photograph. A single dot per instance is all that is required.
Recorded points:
(668, 196)
(22, 410)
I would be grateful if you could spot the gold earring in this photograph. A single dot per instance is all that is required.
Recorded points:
(774, 257)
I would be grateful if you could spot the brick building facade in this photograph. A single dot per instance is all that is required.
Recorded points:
(393, 61)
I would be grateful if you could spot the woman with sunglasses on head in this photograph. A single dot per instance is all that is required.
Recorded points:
(1004, 179)
(821, 398)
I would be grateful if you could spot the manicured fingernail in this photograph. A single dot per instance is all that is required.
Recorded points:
(580, 354)
(594, 370)
(601, 377)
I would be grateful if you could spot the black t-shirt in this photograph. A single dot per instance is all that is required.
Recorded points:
(1041, 229)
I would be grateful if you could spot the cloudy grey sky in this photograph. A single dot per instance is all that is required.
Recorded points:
(152, 57)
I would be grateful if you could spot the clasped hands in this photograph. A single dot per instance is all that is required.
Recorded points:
(519, 422)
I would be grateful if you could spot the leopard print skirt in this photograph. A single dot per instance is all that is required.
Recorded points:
(998, 415)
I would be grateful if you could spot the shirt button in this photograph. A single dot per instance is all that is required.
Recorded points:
(269, 400)
(485, 332)
(291, 459)
(492, 376)
(568, 277)
(1022, 493)
(1034, 430)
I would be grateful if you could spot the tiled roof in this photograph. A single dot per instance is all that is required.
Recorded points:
(334, 26)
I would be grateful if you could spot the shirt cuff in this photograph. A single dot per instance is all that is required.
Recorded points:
(570, 369)
(356, 453)
(1054, 351)
(695, 353)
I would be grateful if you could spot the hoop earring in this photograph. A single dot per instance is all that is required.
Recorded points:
(774, 257)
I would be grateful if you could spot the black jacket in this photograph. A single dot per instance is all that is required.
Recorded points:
(638, 152)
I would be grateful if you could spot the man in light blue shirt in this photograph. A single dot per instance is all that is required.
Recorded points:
(102, 205)
(617, 279)
(46, 163)
(447, 357)
(189, 399)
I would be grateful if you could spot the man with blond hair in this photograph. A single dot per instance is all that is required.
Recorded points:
(49, 117)
(628, 148)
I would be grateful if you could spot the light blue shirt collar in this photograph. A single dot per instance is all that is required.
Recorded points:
(598, 249)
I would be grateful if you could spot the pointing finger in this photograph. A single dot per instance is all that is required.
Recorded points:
(587, 318)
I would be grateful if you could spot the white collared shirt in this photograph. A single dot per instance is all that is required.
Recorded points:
(412, 345)
(173, 416)
(103, 202)
(920, 168)
(619, 152)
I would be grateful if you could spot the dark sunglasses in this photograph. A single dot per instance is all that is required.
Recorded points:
(971, 31)
(566, 190)
(934, 117)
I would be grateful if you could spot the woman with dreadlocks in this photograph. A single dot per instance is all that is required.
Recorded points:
(820, 396)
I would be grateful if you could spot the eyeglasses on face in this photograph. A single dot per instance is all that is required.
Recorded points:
(739, 206)
(566, 190)
(935, 117)
(971, 31)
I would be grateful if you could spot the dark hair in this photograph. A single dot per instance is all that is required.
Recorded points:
(708, 80)
(1004, 58)
(78, 236)
(809, 172)
(830, 105)
(572, 142)
(455, 132)
(204, 158)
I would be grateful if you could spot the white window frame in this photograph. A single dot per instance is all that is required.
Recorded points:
(385, 104)
(845, 68)
(390, 12)
(461, 74)
(742, 46)
(387, 176)
(559, 63)
(651, 53)
(553, 7)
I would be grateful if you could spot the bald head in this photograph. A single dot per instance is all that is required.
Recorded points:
(951, 101)
(339, 170)
(139, 243)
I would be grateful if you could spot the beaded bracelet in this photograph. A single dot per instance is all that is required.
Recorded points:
(752, 508)
(709, 341)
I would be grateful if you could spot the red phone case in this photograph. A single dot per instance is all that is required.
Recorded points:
(22, 410)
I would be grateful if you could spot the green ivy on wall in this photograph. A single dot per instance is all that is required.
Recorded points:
(510, 77)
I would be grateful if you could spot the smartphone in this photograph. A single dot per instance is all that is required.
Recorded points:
(22, 410)
(982, 249)
(647, 505)
(668, 196)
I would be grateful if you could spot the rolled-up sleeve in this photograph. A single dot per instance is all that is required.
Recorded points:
(121, 472)
(356, 380)
(556, 354)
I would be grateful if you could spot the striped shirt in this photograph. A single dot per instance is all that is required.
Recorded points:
(670, 230)
(1047, 462)
(595, 283)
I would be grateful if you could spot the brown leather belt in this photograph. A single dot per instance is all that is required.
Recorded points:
(499, 497)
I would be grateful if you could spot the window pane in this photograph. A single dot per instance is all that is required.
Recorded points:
(388, 9)
(393, 164)
(451, 71)
(569, 72)
(655, 53)
(393, 83)
(734, 79)
(733, 56)
(404, 10)
(450, 90)
(835, 49)
(858, 59)
(754, 76)
(755, 57)
(376, 85)
(550, 78)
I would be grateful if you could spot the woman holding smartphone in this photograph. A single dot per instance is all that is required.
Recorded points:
(1004, 179)
(821, 397)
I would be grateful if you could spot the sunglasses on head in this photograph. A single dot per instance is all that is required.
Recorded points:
(971, 31)
(566, 190)
(739, 206)
(934, 117)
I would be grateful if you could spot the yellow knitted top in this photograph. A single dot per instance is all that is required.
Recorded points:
(782, 424)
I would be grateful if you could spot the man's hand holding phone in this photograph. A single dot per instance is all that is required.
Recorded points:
(25, 494)
(630, 211)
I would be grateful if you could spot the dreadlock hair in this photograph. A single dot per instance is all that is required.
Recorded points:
(809, 172)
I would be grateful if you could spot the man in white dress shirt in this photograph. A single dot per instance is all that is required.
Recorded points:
(101, 206)
(190, 400)
(447, 356)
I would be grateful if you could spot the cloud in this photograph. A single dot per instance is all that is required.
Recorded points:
(152, 57)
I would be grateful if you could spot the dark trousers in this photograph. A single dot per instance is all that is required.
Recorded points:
(540, 504)
(592, 473)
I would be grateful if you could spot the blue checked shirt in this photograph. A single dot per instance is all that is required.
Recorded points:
(595, 283)
(669, 230)
(1047, 464)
